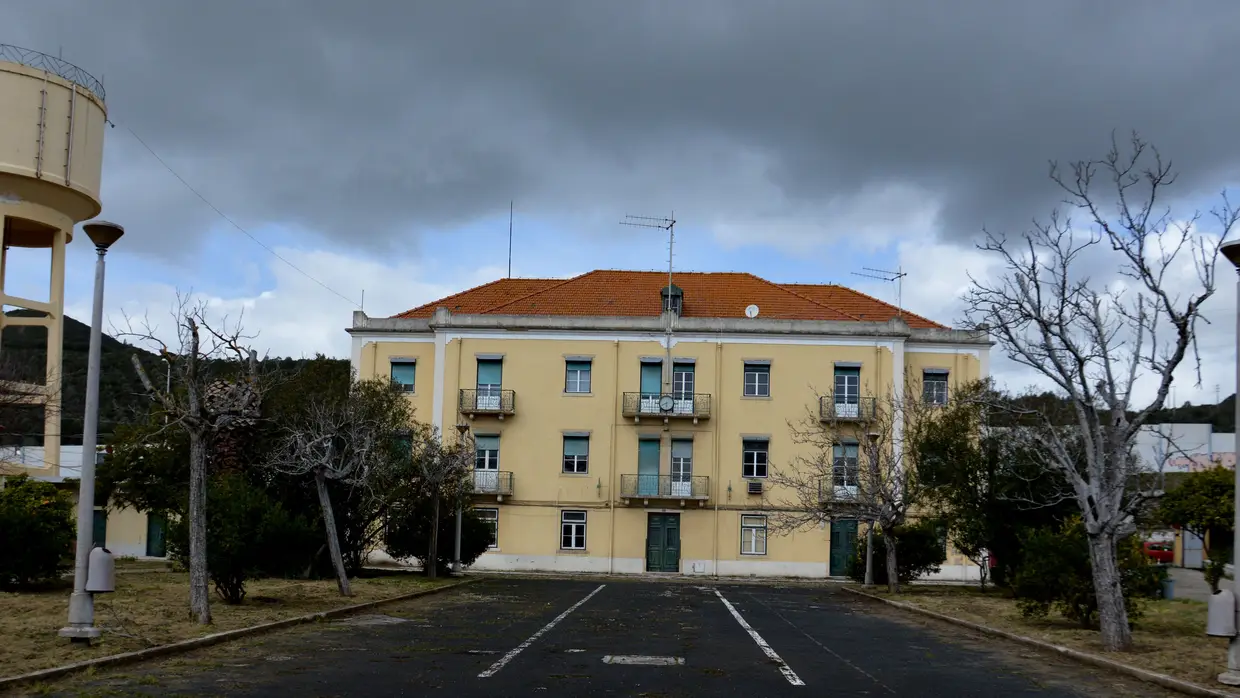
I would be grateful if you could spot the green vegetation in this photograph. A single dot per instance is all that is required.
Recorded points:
(36, 532)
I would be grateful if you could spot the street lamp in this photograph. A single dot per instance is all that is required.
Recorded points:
(1231, 250)
(81, 625)
(461, 429)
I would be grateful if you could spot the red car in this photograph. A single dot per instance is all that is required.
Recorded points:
(1161, 552)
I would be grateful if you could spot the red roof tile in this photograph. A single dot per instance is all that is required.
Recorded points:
(609, 293)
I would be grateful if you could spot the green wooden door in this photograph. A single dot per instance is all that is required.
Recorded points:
(843, 546)
(156, 535)
(663, 543)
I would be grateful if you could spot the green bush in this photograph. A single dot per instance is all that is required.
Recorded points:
(1056, 573)
(919, 550)
(249, 535)
(408, 535)
(37, 532)
(1215, 564)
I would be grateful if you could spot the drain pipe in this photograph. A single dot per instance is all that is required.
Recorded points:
(611, 473)
(718, 466)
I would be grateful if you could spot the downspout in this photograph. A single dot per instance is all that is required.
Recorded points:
(718, 461)
(611, 472)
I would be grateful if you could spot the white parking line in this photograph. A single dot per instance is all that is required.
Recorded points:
(517, 650)
(766, 649)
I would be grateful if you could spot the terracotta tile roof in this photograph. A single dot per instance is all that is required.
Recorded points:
(858, 303)
(610, 293)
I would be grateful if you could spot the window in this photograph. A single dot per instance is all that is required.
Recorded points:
(490, 381)
(577, 376)
(403, 373)
(934, 386)
(486, 454)
(491, 518)
(682, 381)
(572, 530)
(682, 468)
(757, 380)
(844, 469)
(753, 535)
(576, 454)
(847, 392)
(754, 457)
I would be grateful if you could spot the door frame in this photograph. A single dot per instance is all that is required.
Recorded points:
(663, 547)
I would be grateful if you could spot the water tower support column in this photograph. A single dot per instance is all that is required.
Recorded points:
(55, 331)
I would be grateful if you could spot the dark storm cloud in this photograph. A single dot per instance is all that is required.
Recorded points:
(368, 122)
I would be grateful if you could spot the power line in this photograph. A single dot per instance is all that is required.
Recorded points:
(233, 223)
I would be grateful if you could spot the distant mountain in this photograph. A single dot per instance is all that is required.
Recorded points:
(120, 392)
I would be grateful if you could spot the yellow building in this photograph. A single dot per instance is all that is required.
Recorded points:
(625, 426)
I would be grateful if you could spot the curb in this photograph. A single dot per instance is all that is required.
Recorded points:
(665, 578)
(184, 646)
(1180, 685)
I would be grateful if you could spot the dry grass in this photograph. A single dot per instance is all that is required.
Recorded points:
(151, 608)
(1170, 638)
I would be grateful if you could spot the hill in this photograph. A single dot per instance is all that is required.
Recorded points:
(120, 391)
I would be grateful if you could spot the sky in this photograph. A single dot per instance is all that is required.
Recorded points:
(376, 146)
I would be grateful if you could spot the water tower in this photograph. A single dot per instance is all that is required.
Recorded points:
(52, 117)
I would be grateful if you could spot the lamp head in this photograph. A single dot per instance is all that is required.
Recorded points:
(1231, 250)
(103, 234)
(462, 428)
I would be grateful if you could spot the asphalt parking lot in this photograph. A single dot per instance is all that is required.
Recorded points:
(543, 637)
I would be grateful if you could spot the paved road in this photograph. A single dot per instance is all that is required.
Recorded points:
(524, 637)
(1190, 584)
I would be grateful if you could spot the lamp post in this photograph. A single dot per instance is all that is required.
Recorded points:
(1231, 251)
(461, 430)
(81, 625)
(869, 531)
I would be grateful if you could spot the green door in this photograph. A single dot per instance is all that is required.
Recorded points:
(843, 546)
(663, 543)
(156, 535)
(100, 528)
(652, 380)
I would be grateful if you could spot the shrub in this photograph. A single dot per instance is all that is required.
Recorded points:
(37, 532)
(1215, 564)
(249, 535)
(919, 551)
(1056, 573)
(408, 535)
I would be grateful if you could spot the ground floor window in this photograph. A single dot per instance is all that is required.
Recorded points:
(573, 530)
(753, 535)
(491, 518)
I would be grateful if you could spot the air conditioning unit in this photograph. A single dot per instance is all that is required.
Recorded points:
(755, 487)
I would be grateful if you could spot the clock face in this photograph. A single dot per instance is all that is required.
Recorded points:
(666, 403)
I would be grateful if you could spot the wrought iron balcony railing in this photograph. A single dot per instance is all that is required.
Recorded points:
(845, 408)
(665, 487)
(496, 482)
(830, 491)
(488, 401)
(693, 406)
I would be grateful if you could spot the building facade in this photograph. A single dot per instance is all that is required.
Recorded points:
(627, 426)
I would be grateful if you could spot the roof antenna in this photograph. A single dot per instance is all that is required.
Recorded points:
(889, 276)
(510, 238)
(668, 224)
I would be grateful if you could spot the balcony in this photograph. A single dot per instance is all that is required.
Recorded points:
(487, 401)
(829, 491)
(496, 483)
(648, 487)
(845, 408)
(667, 406)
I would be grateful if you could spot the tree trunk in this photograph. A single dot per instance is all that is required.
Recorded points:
(869, 555)
(893, 576)
(1112, 614)
(432, 560)
(333, 541)
(199, 597)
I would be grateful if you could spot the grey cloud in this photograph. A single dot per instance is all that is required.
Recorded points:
(374, 122)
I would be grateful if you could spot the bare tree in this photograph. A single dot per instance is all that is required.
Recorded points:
(442, 471)
(854, 463)
(349, 441)
(26, 400)
(1094, 343)
(213, 389)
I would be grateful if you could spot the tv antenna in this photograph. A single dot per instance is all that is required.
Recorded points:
(668, 224)
(889, 276)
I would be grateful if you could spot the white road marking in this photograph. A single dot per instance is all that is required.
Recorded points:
(766, 649)
(517, 650)
(642, 660)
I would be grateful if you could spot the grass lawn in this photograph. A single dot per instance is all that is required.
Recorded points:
(152, 608)
(1170, 638)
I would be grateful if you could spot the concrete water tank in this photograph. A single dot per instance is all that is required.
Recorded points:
(52, 118)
